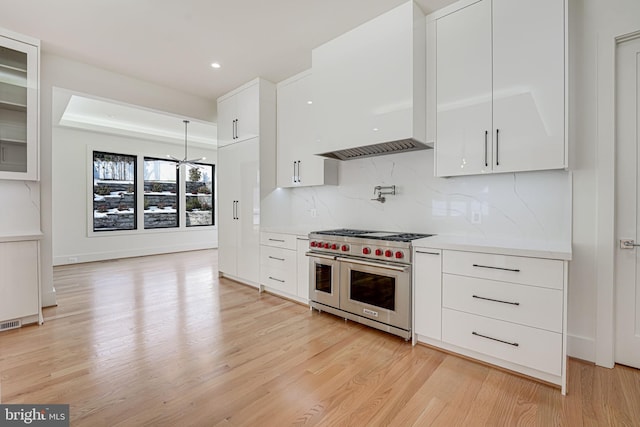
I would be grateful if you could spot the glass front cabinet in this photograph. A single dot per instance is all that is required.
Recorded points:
(19, 98)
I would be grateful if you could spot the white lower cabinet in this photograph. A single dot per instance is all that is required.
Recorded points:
(502, 309)
(427, 291)
(19, 282)
(279, 266)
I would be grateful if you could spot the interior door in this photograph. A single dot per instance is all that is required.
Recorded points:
(627, 342)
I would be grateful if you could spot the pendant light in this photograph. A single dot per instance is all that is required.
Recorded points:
(186, 160)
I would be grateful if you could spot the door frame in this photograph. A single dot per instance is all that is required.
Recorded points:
(605, 191)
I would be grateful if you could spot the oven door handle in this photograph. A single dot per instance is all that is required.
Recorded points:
(374, 264)
(315, 255)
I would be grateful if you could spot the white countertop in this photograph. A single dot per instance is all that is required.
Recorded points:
(37, 235)
(536, 249)
(296, 231)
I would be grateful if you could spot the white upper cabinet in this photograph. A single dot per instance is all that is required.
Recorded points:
(500, 86)
(297, 165)
(19, 94)
(239, 114)
(368, 84)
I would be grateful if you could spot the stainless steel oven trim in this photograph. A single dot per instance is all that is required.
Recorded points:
(401, 316)
(332, 298)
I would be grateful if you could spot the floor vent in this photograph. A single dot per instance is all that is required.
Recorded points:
(11, 324)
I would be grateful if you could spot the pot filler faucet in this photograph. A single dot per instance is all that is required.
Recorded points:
(382, 191)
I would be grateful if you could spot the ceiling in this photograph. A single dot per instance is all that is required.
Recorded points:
(173, 43)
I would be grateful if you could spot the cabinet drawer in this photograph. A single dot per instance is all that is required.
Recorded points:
(282, 279)
(506, 268)
(531, 347)
(278, 240)
(277, 257)
(526, 305)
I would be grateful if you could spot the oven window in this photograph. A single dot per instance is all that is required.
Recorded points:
(373, 289)
(323, 277)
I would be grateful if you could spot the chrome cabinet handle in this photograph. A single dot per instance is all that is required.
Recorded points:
(628, 244)
(427, 253)
(277, 280)
(515, 344)
(276, 258)
(276, 240)
(299, 180)
(495, 300)
(497, 146)
(515, 270)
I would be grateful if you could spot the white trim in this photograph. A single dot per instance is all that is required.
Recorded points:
(581, 347)
(605, 195)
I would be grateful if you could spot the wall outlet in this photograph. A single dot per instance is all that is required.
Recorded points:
(313, 212)
(73, 259)
(476, 217)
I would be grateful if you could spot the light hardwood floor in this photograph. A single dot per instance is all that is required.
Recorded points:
(162, 341)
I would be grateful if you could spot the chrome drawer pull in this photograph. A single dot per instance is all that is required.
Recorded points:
(277, 280)
(427, 253)
(276, 240)
(515, 270)
(515, 344)
(277, 259)
(496, 300)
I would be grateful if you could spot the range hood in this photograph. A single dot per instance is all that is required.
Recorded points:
(369, 88)
(380, 149)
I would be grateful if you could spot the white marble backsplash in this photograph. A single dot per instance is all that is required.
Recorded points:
(527, 205)
(20, 207)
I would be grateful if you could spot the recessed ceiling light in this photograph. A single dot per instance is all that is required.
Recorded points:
(309, 102)
(215, 65)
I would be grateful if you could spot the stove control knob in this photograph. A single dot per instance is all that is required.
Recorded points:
(399, 255)
(334, 246)
(388, 253)
(366, 251)
(379, 252)
(345, 248)
(326, 246)
(313, 244)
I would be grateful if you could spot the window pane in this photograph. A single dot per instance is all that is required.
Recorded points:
(199, 195)
(160, 193)
(114, 191)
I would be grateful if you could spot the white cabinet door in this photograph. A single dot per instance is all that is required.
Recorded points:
(248, 113)
(427, 283)
(297, 166)
(528, 85)
(248, 209)
(464, 128)
(303, 268)
(19, 87)
(368, 84)
(19, 281)
(239, 114)
(239, 210)
(500, 83)
(226, 120)
(228, 195)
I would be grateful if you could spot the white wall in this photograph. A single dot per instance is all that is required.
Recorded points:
(72, 218)
(60, 72)
(593, 26)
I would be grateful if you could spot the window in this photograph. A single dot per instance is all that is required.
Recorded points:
(160, 193)
(114, 191)
(199, 195)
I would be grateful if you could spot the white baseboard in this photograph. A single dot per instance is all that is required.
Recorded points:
(581, 347)
(108, 255)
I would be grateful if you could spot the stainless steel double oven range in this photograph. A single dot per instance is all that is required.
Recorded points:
(363, 276)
